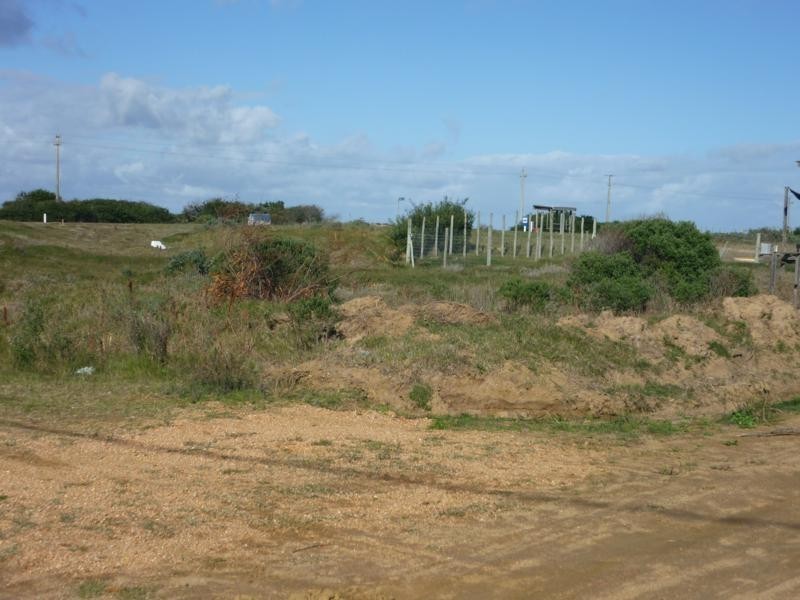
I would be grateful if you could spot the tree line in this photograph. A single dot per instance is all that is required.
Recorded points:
(30, 206)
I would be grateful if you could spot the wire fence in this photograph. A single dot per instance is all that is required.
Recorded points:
(428, 244)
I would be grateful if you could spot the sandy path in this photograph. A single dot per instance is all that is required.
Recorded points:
(308, 503)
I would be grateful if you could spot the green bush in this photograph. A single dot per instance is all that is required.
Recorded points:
(194, 260)
(534, 295)
(624, 294)
(609, 281)
(592, 267)
(648, 255)
(678, 252)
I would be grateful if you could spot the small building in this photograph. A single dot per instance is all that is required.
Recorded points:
(259, 219)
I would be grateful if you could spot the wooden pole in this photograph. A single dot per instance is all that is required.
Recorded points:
(478, 236)
(796, 281)
(530, 233)
(552, 231)
(489, 243)
(422, 241)
(516, 226)
(436, 238)
(572, 233)
(594, 228)
(540, 221)
(773, 270)
(444, 254)
(451, 234)
(581, 234)
(758, 247)
(561, 223)
(503, 238)
(409, 257)
(465, 233)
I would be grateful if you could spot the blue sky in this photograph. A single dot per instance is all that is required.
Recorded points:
(692, 105)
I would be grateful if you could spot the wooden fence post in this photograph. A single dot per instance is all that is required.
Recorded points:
(503, 238)
(489, 243)
(422, 241)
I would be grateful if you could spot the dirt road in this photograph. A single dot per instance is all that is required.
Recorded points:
(306, 503)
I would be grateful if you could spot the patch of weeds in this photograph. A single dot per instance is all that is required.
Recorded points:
(421, 396)
(3, 497)
(719, 349)
(343, 399)
(781, 347)
(382, 450)
(92, 588)
(791, 406)
(743, 418)
(731, 442)
(133, 593)
(322, 443)
(6, 553)
(668, 471)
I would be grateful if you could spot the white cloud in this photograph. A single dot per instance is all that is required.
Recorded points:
(134, 139)
(201, 114)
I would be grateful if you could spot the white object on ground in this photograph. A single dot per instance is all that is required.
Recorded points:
(157, 244)
(85, 371)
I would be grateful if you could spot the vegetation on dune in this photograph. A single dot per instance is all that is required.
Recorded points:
(654, 256)
(30, 206)
(222, 210)
(229, 312)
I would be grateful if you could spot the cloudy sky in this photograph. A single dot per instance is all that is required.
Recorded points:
(693, 106)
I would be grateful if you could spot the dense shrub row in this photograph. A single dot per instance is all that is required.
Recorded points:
(29, 206)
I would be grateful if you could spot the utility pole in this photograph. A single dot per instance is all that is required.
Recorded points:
(57, 144)
(785, 214)
(522, 177)
(608, 200)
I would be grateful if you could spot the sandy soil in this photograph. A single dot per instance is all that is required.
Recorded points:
(306, 503)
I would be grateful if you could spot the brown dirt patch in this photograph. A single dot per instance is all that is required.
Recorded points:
(370, 315)
(306, 503)
(454, 313)
(769, 319)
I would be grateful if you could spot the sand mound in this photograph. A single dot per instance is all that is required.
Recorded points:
(453, 313)
(370, 315)
(769, 319)
(514, 390)
(687, 333)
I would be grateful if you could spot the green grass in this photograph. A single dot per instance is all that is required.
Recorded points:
(421, 396)
(624, 426)
(92, 588)
(755, 414)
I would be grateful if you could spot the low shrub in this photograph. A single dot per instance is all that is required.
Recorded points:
(150, 325)
(732, 281)
(609, 281)
(193, 260)
(272, 268)
(421, 395)
(223, 369)
(532, 294)
(312, 320)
